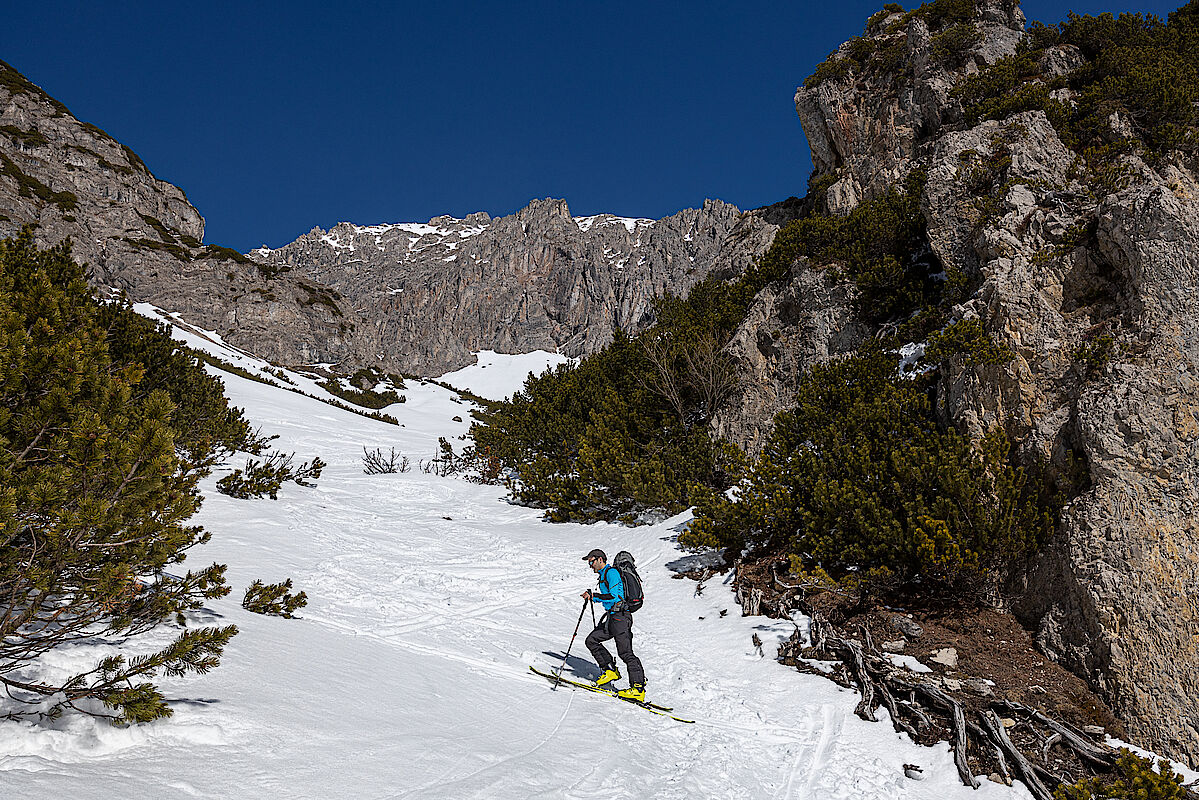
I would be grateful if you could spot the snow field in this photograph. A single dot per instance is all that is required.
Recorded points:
(406, 676)
(498, 376)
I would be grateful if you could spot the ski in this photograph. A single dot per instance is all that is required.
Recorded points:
(653, 708)
(591, 687)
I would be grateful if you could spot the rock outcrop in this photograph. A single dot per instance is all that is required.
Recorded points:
(1091, 284)
(864, 130)
(1109, 598)
(868, 113)
(139, 235)
(790, 326)
(427, 295)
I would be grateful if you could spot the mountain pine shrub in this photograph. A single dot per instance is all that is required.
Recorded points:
(951, 45)
(965, 338)
(877, 17)
(859, 478)
(367, 398)
(1134, 779)
(274, 599)
(206, 428)
(1094, 354)
(267, 476)
(618, 432)
(1136, 65)
(94, 501)
(880, 246)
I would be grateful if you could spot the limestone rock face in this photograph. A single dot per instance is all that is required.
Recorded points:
(1060, 270)
(427, 295)
(1130, 559)
(864, 126)
(790, 326)
(1093, 286)
(139, 235)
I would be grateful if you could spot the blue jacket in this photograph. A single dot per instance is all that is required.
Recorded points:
(611, 588)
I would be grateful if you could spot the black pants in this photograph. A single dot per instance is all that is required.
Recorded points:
(616, 625)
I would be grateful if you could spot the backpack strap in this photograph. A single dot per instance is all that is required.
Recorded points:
(622, 604)
(603, 578)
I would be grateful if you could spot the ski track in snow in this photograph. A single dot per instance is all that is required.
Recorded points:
(407, 674)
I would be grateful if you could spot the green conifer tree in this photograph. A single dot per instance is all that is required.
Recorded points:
(206, 427)
(93, 502)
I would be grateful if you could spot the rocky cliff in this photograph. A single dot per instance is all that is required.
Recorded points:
(427, 295)
(139, 235)
(1087, 273)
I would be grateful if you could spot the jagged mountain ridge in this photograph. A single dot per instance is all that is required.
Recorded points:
(407, 298)
(427, 295)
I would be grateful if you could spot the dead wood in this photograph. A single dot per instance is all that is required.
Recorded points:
(929, 707)
(996, 733)
(893, 709)
(1098, 755)
(857, 663)
(1050, 742)
(957, 721)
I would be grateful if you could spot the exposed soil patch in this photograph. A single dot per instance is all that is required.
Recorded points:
(987, 644)
(980, 658)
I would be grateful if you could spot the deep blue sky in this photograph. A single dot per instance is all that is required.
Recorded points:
(275, 117)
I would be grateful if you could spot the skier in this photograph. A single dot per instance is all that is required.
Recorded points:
(617, 623)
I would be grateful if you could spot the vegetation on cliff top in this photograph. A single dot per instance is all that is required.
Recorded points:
(1135, 66)
(15, 83)
(882, 52)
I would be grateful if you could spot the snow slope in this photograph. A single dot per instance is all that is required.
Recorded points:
(406, 676)
(498, 376)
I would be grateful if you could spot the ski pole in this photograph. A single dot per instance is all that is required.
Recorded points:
(558, 674)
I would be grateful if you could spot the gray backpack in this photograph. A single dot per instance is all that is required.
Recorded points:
(634, 595)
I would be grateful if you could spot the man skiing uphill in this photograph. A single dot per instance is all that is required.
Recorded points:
(617, 623)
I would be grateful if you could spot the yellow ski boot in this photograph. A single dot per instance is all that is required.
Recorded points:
(634, 692)
(607, 677)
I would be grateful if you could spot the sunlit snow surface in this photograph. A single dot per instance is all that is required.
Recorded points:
(630, 223)
(497, 376)
(406, 676)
